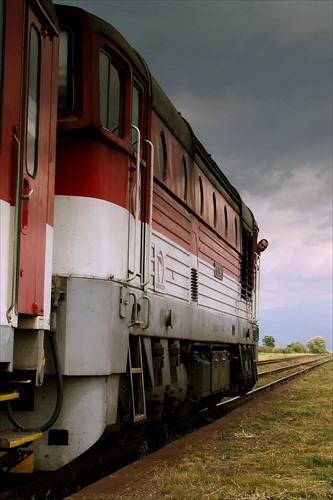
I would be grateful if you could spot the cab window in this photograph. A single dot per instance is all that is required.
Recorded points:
(111, 95)
(135, 114)
(1, 39)
(33, 102)
(66, 72)
(1, 56)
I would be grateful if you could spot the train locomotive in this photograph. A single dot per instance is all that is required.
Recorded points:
(129, 263)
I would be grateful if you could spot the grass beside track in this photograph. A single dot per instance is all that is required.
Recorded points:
(282, 451)
(262, 356)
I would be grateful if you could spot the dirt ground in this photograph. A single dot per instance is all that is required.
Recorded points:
(137, 481)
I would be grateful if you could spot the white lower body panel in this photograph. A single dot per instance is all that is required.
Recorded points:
(89, 404)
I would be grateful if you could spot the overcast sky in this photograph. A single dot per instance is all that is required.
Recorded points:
(254, 80)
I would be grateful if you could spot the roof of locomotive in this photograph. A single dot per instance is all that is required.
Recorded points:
(168, 113)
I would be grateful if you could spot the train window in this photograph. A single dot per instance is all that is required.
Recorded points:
(110, 95)
(162, 154)
(136, 94)
(236, 232)
(65, 78)
(1, 55)
(201, 197)
(33, 103)
(214, 210)
(225, 221)
(184, 178)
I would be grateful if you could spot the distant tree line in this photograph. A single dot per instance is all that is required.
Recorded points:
(317, 345)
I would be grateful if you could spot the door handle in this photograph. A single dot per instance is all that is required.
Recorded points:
(27, 196)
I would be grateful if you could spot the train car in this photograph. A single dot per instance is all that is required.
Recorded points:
(155, 267)
(28, 103)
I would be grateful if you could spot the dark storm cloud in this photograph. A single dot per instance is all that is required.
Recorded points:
(262, 69)
(254, 80)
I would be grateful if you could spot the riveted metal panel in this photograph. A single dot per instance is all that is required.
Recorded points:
(220, 371)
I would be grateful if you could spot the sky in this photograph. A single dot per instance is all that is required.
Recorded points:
(254, 80)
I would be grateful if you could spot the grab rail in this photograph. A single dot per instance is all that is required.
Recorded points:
(16, 247)
(137, 205)
(151, 189)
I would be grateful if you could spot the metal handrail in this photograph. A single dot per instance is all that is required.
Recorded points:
(137, 206)
(151, 189)
(18, 196)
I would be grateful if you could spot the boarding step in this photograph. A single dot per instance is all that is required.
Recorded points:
(17, 460)
(8, 395)
(11, 438)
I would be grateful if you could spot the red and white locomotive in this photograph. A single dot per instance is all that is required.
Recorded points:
(129, 264)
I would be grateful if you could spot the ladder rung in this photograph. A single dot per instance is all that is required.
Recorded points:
(139, 416)
(8, 395)
(136, 370)
(137, 380)
(10, 438)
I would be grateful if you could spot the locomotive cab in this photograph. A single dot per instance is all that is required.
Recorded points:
(103, 150)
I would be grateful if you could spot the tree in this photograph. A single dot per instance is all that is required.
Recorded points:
(317, 345)
(297, 347)
(268, 341)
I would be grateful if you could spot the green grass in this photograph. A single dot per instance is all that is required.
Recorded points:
(283, 450)
(263, 356)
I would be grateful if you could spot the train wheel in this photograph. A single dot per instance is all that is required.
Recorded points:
(122, 435)
(138, 430)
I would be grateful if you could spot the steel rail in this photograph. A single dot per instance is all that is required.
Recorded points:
(278, 360)
(286, 367)
(232, 404)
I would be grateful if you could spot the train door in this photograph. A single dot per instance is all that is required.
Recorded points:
(36, 161)
(140, 190)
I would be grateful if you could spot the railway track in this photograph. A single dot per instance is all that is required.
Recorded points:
(289, 358)
(110, 458)
(304, 362)
(238, 401)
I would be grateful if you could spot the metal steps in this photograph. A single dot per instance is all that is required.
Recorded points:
(11, 438)
(8, 395)
(13, 459)
(137, 380)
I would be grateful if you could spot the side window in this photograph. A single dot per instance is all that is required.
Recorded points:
(111, 95)
(1, 56)
(225, 221)
(136, 118)
(214, 210)
(66, 72)
(184, 179)
(33, 103)
(162, 154)
(201, 196)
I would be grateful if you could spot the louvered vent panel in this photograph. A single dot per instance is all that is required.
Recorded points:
(194, 285)
(247, 268)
